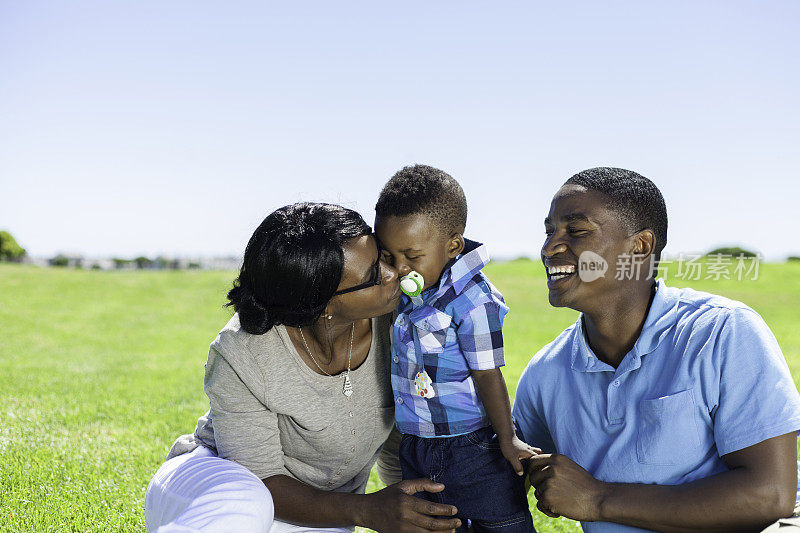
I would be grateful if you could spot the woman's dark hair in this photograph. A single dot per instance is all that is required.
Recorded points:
(293, 265)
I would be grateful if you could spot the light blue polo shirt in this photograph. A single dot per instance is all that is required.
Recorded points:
(705, 378)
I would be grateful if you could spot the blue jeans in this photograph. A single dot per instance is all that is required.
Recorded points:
(478, 480)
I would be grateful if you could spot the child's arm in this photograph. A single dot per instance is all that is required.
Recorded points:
(494, 395)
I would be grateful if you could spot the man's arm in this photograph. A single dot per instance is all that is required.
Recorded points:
(759, 488)
(393, 509)
(494, 395)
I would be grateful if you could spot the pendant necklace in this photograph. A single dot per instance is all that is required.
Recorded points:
(347, 389)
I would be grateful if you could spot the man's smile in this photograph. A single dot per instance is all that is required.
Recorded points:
(558, 273)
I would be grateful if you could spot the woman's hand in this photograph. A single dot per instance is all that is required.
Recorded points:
(514, 450)
(395, 509)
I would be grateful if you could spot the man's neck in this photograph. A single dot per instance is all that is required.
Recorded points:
(613, 330)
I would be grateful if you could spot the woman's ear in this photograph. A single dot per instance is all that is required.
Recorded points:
(455, 245)
(328, 314)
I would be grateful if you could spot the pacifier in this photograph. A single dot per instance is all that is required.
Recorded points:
(412, 283)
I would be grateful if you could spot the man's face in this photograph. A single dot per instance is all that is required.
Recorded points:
(579, 225)
(414, 242)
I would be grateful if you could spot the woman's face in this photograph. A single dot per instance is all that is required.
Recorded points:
(361, 257)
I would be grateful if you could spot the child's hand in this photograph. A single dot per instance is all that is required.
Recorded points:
(514, 450)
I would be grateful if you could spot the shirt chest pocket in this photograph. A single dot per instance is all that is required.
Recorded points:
(431, 326)
(667, 429)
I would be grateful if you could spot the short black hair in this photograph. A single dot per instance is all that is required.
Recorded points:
(421, 189)
(635, 198)
(292, 265)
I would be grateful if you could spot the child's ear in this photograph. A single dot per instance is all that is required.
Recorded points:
(455, 245)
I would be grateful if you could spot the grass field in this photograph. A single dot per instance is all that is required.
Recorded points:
(102, 370)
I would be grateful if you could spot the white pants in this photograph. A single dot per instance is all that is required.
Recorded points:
(199, 492)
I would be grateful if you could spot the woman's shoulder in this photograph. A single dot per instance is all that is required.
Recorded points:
(233, 328)
(243, 349)
(233, 332)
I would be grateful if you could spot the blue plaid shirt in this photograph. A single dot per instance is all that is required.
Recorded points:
(456, 328)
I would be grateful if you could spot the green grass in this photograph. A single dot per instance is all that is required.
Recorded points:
(102, 370)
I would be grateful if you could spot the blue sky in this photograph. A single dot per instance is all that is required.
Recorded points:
(175, 127)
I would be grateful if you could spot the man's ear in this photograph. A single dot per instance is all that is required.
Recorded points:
(644, 243)
(455, 245)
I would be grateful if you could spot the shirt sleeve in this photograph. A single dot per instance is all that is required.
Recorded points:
(389, 470)
(528, 421)
(480, 335)
(758, 399)
(245, 431)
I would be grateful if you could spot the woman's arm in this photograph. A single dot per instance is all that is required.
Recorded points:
(759, 488)
(247, 432)
(393, 509)
(389, 470)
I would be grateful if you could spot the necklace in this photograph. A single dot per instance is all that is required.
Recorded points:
(347, 388)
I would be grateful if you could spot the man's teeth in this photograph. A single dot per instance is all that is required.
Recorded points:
(558, 272)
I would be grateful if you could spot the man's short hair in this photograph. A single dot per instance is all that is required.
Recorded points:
(421, 189)
(635, 198)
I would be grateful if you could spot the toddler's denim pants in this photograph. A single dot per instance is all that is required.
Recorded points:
(478, 480)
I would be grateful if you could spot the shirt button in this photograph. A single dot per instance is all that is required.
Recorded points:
(616, 383)
(351, 414)
(352, 448)
(339, 472)
(395, 359)
(330, 482)
(399, 400)
(353, 432)
(347, 461)
(402, 321)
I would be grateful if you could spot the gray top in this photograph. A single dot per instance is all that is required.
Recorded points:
(274, 415)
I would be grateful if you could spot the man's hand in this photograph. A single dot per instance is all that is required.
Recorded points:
(395, 509)
(514, 450)
(563, 488)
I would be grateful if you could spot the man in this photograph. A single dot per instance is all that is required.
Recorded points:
(660, 408)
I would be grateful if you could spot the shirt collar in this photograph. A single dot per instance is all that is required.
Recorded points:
(659, 321)
(469, 262)
(457, 273)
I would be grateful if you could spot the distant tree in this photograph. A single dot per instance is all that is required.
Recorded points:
(121, 263)
(59, 261)
(733, 251)
(793, 258)
(143, 262)
(9, 249)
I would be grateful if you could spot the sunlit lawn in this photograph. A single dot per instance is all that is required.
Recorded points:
(102, 370)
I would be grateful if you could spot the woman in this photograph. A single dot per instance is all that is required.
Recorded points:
(300, 400)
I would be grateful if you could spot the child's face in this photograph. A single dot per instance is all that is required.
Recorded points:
(415, 242)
